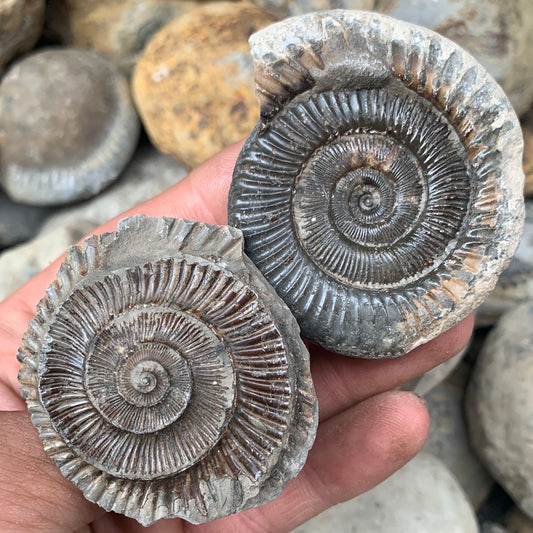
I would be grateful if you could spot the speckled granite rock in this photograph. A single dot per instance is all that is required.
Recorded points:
(499, 404)
(193, 86)
(422, 497)
(147, 174)
(448, 437)
(20, 263)
(516, 282)
(19, 222)
(21, 23)
(118, 30)
(67, 125)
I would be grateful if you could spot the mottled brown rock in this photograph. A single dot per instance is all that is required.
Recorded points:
(117, 29)
(21, 24)
(527, 132)
(381, 193)
(499, 405)
(67, 126)
(161, 363)
(193, 85)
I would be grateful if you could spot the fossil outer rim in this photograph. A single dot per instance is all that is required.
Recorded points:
(342, 52)
(148, 501)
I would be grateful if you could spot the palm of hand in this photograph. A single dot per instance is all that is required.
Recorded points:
(366, 431)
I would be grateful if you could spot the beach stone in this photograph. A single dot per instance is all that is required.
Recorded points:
(20, 263)
(448, 437)
(19, 222)
(499, 404)
(193, 86)
(21, 24)
(288, 8)
(148, 173)
(118, 30)
(517, 522)
(497, 33)
(421, 497)
(67, 126)
(515, 284)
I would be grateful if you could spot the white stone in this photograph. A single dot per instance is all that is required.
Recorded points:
(422, 497)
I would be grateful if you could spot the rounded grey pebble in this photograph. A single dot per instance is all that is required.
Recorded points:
(67, 126)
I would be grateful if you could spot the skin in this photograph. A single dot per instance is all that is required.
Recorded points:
(367, 429)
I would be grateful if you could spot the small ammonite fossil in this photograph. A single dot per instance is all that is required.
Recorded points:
(381, 191)
(165, 376)
(67, 126)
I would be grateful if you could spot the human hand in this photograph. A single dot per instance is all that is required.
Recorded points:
(366, 432)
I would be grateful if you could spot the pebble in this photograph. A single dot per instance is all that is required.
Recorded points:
(193, 86)
(20, 263)
(421, 497)
(515, 285)
(148, 174)
(18, 222)
(118, 30)
(499, 404)
(448, 437)
(67, 126)
(21, 24)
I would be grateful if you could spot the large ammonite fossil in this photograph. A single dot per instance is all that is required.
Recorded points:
(381, 191)
(164, 375)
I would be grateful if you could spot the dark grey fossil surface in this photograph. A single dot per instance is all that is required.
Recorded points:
(381, 191)
(164, 375)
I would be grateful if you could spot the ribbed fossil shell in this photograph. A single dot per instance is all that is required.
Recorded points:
(381, 191)
(164, 375)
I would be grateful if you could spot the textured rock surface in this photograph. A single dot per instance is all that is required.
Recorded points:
(500, 402)
(527, 130)
(381, 192)
(67, 126)
(21, 23)
(178, 351)
(19, 264)
(148, 174)
(118, 30)
(422, 497)
(448, 438)
(18, 222)
(193, 86)
(516, 282)
(497, 33)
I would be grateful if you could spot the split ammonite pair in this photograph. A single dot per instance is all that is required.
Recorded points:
(380, 195)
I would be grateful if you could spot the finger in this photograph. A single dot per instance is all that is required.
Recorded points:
(354, 451)
(341, 381)
(35, 496)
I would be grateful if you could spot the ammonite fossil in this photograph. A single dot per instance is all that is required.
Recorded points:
(381, 191)
(164, 375)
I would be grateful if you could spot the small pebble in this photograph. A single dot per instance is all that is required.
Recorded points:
(499, 404)
(67, 126)
(193, 86)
